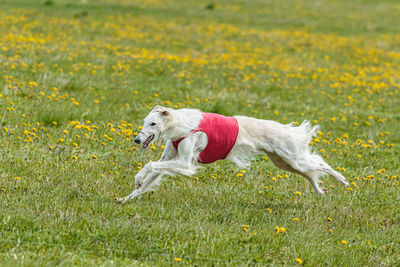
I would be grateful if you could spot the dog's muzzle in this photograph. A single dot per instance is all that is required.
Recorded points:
(146, 142)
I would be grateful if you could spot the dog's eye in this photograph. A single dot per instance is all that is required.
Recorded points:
(152, 124)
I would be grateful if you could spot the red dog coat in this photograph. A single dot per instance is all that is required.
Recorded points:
(222, 133)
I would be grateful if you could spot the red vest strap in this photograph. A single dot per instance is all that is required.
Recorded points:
(176, 142)
(221, 132)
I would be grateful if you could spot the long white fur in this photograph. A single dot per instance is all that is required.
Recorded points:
(285, 144)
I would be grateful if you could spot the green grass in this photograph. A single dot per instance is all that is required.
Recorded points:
(78, 77)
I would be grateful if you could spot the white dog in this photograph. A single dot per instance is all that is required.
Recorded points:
(192, 135)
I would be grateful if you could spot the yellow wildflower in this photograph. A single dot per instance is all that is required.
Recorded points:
(299, 261)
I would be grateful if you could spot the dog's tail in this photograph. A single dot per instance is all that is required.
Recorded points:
(303, 134)
(308, 130)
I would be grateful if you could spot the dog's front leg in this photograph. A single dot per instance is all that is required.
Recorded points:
(143, 188)
(183, 163)
(145, 178)
(168, 154)
(173, 167)
(140, 176)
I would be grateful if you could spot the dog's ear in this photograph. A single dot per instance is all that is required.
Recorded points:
(165, 113)
(162, 110)
(157, 108)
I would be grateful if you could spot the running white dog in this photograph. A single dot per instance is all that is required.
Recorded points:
(192, 135)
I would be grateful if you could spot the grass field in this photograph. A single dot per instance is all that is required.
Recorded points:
(78, 77)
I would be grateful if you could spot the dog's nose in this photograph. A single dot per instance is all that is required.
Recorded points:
(137, 140)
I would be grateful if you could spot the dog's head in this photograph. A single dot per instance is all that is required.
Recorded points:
(154, 125)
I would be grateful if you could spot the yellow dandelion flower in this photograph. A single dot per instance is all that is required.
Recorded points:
(299, 260)
(381, 171)
(178, 259)
(298, 193)
(280, 229)
(344, 242)
(94, 157)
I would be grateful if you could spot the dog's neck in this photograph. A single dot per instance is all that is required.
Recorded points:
(177, 134)
(183, 122)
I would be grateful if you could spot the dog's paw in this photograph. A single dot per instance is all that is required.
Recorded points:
(121, 199)
(321, 191)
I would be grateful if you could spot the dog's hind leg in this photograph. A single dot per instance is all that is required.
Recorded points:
(338, 177)
(315, 185)
(315, 163)
(311, 176)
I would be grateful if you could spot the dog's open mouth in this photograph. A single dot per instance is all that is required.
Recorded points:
(148, 141)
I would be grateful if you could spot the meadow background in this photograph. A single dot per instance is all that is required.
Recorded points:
(78, 77)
